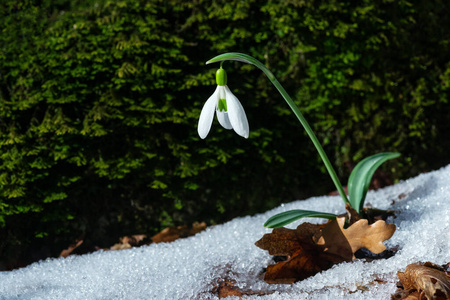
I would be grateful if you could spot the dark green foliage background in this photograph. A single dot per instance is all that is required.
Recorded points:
(99, 103)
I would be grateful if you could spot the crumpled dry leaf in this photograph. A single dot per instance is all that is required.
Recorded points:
(128, 242)
(311, 248)
(304, 257)
(69, 250)
(224, 285)
(227, 288)
(171, 234)
(427, 278)
(285, 242)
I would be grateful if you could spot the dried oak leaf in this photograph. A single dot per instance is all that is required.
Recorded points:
(171, 234)
(227, 288)
(359, 235)
(305, 257)
(311, 248)
(128, 242)
(429, 279)
(69, 250)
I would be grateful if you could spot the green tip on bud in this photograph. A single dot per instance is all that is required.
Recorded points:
(221, 77)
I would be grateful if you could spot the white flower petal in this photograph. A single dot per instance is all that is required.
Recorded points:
(222, 93)
(207, 114)
(222, 116)
(236, 114)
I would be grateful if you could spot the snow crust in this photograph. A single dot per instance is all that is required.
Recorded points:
(190, 268)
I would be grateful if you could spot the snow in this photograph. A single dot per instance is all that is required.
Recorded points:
(190, 268)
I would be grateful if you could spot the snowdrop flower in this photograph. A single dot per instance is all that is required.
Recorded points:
(229, 111)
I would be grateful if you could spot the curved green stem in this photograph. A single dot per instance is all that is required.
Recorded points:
(250, 60)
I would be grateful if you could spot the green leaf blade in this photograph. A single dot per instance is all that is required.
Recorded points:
(234, 56)
(287, 217)
(359, 180)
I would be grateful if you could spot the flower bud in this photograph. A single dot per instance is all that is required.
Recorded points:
(221, 77)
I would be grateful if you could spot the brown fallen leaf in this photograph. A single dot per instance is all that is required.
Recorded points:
(426, 279)
(128, 242)
(362, 235)
(224, 285)
(285, 242)
(301, 265)
(311, 248)
(171, 234)
(69, 250)
(305, 258)
(359, 235)
(226, 288)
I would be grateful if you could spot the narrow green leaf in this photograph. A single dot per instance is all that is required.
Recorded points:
(359, 180)
(290, 216)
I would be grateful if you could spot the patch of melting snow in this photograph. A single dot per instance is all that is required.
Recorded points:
(190, 268)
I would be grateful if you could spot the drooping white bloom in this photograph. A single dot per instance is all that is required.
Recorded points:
(229, 111)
